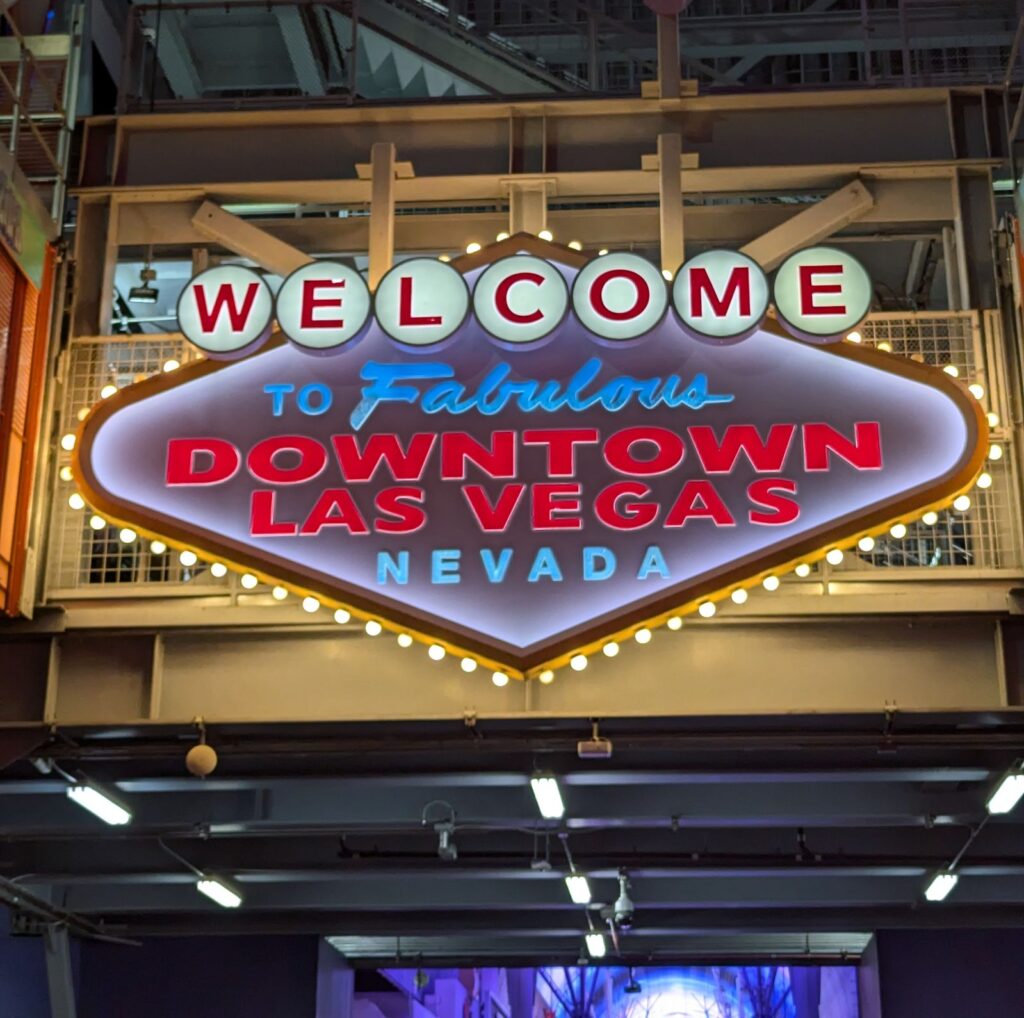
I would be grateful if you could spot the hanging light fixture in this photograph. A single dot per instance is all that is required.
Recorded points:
(145, 292)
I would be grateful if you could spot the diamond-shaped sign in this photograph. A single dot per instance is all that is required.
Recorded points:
(520, 502)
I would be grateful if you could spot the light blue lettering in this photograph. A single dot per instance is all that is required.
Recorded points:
(598, 563)
(496, 568)
(545, 564)
(653, 562)
(444, 565)
(277, 392)
(394, 566)
(304, 399)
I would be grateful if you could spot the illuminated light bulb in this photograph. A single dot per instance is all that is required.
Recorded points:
(984, 480)
(310, 605)
(66, 475)
(127, 535)
(279, 593)
(76, 501)
(930, 519)
(502, 236)
(803, 570)
(962, 503)
(642, 636)
(706, 609)
(472, 248)
(107, 391)
(67, 442)
(373, 628)
(546, 677)
(404, 640)
(171, 365)
(575, 245)
(667, 273)
(500, 679)
(610, 649)
(468, 664)
(157, 547)
(248, 581)
(675, 623)
(341, 616)
(578, 662)
(770, 583)
(444, 258)
(995, 452)
(603, 251)
(188, 558)
(436, 652)
(546, 235)
(83, 413)
(885, 347)
(952, 370)
(218, 569)
(898, 530)
(993, 419)
(976, 390)
(866, 543)
(854, 337)
(739, 596)
(834, 556)
(97, 522)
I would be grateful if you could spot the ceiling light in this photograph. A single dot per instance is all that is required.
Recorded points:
(595, 945)
(100, 803)
(219, 890)
(1008, 792)
(941, 884)
(145, 293)
(548, 796)
(579, 888)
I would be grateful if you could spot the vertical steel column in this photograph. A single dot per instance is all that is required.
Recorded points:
(59, 977)
(669, 78)
(382, 210)
(670, 201)
(528, 207)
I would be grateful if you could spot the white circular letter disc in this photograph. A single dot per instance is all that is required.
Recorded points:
(226, 311)
(421, 301)
(322, 305)
(520, 299)
(822, 293)
(720, 296)
(619, 296)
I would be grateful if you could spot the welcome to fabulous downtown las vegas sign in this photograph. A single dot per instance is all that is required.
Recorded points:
(527, 453)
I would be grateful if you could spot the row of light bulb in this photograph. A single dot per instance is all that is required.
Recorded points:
(474, 246)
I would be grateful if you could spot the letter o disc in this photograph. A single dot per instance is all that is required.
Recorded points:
(619, 296)
(226, 311)
(421, 301)
(337, 305)
(720, 296)
(520, 299)
(822, 293)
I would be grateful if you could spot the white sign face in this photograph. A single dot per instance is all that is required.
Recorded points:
(619, 296)
(421, 302)
(822, 293)
(226, 310)
(520, 299)
(323, 305)
(720, 296)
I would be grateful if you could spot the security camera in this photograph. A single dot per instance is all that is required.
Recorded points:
(623, 909)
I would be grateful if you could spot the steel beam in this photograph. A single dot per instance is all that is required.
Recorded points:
(382, 210)
(59, 974)
(300, 50)
(670, 202)
(176, 58)
(250, 241)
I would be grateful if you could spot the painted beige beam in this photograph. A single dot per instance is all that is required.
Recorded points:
(670, 201)
(106, 302)
(528, 206)
(382, 210)
(810, 226)
(250, 241)
(669, 78)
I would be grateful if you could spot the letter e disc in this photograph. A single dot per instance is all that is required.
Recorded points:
(720, 296)
(619, 296)
(226, 311)
(822, 293)
(520, 299)
(421, 301)
(322, 305)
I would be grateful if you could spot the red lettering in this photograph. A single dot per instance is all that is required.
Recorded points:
(701, 286)
(669, 451)
(457, 447)
(405, 315)
(763, 493)
(310, 302)
(312, 459)
(225, 298)
(643, 294)
(551, 501)
(405, 505)
(864, 452)
(404, 464)
(496, 517)
(699, 500)
(561, 443)
(765, 456)
(809, 289)
(501, 297)
(633, 515)
(261, 516)
(182, 467)
(334, 508)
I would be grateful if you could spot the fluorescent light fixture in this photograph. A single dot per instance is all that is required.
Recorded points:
(941, 884)
(219, 890)
(99, 803)
(579, 888)
(1008, 792)
(548, 796)
(596, 945)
